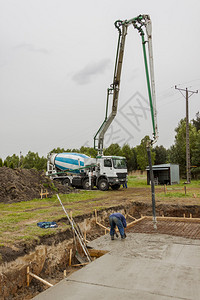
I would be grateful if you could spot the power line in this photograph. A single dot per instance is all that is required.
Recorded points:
(189, 81)
(169, 102)
(187, 96)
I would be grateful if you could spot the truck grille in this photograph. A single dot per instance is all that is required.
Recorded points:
(121, 175)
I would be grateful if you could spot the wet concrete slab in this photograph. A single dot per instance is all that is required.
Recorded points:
(144, 266)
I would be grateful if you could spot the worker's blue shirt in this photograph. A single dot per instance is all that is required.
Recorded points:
(121, 217)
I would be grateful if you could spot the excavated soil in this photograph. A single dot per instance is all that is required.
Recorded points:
(24, 184)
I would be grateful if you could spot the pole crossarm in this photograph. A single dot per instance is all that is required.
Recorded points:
(186, 90)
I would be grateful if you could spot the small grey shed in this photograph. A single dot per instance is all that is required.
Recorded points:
(164, 174)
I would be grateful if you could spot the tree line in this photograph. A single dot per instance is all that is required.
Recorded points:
(136, 156)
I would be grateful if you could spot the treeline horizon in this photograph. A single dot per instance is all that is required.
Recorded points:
(136, 156)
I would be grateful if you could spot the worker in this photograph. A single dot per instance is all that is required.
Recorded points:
(118, 220)
(125, 185)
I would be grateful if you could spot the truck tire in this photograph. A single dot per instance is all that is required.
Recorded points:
(66, 182)
(103, 185)
(86, 184)
(115, 187)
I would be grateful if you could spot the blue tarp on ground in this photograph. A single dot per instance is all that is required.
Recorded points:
(47, 224)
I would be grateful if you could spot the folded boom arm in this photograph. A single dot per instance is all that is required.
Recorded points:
(122, 26)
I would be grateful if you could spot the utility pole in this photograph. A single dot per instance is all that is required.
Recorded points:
(187, 96)
(20, 157)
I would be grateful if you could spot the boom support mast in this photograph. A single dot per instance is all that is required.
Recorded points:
(122, 26)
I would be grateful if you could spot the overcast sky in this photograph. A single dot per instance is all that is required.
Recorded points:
(57, 61)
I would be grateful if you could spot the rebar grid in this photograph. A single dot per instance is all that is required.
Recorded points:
(171, 227)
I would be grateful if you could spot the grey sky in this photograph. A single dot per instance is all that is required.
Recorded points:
(86, 75)
(57, 60)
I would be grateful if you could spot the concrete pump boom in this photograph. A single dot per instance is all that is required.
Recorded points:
(122, 26)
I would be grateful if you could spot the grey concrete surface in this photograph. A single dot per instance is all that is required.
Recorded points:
(141, 267)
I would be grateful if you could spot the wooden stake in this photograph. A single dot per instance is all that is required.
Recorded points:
(78, 265)
(165, 189)
(131, 217)
(64, 273)
(43, 194)
(36, 277)
(185, 189)
(183, 215)
(95, 211)
(135, 222)
(102, 226)
(40, 279)
(28, 276)
(70, 257)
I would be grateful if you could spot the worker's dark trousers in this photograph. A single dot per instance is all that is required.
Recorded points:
(114, 221)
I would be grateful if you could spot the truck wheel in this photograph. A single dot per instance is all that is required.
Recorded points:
(115, 187)
(86, 184)
(66, 182)
(103, 185)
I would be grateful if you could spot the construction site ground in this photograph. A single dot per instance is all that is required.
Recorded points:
(20, 238)
(22, 234)
(143, 266)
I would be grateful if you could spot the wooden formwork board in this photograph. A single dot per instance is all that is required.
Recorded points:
(179, 219)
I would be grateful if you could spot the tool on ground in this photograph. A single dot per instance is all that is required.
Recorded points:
(77, 232)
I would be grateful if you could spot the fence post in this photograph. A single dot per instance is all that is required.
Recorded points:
(185, 189)
(165, 189)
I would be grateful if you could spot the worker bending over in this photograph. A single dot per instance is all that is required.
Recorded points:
(118, 220)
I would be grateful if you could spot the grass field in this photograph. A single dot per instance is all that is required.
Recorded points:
(18, 221)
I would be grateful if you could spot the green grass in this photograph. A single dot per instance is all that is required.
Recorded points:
(19, 220)
(194, 183)
(137, 181)
(141, 180)
(39, 203)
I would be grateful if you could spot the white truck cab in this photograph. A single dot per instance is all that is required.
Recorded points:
(113, 170)
(81, 171)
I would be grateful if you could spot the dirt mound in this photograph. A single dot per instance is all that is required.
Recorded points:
(23, 185)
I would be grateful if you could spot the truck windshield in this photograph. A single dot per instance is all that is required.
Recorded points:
(119, 163)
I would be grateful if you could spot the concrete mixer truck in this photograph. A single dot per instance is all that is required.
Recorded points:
(81, 171)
